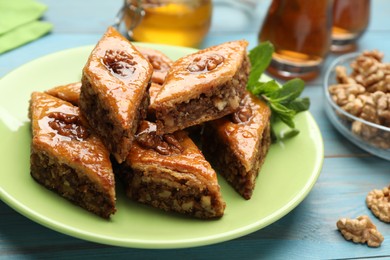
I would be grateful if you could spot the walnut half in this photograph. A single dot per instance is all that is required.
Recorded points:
(205, 63)
(242, 115)
(378, 201)
(68, 125)
(360, 230)
(166, 144)
(120, 63)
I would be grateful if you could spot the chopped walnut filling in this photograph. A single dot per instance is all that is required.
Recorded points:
(120, 63)
(378, 201)
(360, 230)
(68, 125)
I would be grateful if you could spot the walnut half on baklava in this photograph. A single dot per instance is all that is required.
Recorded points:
(202, 86)
(160, 62)
(238, 143)
(114, 94)
(67, 158)
(170, 173)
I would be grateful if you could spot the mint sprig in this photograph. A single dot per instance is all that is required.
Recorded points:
(284, 101)
(260, 57)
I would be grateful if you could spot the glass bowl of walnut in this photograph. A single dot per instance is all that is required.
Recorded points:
(357, 90)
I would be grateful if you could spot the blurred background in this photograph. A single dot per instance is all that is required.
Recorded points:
(231, 20)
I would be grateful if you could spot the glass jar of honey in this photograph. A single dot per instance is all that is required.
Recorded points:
(350, 20)
(300, 31)
(173, 22)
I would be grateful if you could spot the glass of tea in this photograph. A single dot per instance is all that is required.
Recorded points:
(350, 20)
(173, 22)
(300, 31)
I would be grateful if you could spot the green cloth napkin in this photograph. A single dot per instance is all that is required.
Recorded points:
(19, 23)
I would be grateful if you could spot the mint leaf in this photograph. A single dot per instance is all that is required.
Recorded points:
(283, 113)
(299, 104)
(289, 91)
(284, 101)
(260, 57)
(265, 88)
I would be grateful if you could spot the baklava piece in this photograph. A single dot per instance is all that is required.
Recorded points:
(153, 91)
(114, 93)
(69, 92)
(238, 143)
(161, 65)
(170, 173)
(203, 86)
(67, 158)
(159, 61)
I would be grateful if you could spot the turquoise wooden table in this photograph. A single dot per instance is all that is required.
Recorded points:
(307, 232)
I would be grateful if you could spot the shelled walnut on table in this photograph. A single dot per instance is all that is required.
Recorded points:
(360, 230)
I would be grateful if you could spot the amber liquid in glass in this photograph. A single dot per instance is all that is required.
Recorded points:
(175, 22)
(300, 32)
(350, 19)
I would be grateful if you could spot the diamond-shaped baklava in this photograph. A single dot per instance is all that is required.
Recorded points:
(114, 93)
(67, 158)
(237, 144)
(202, 86)
(169, 172)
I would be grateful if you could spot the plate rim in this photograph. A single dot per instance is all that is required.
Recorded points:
(176, 243)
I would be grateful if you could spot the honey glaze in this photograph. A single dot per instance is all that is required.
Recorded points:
(206, 63)
(245, 126)
(159, 61)
(242, 115)
(69, 92)
(120, 63)
(59, 130)
(192, 74)
(116, 55)
(118, 72)
(182, 154)
(166, 144)
(63, 123)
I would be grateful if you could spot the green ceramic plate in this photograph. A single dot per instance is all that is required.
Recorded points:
(290, 171)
